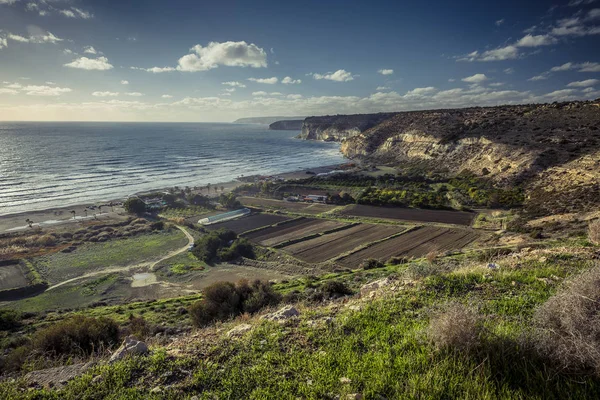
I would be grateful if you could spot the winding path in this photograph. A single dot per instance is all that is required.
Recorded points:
(149, 265)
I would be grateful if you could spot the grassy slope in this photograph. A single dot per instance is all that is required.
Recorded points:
(381, 348)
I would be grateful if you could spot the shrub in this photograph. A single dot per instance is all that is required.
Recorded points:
(9, 320)
(568, 324)
(133, 205)
(222, 243)
(239, 248)
(157, 225)
(456, 327)
(594, 231)
(223, 300)
(371, 263)
(46, 240)
(335, 289)
(138, 327)
(78, 335)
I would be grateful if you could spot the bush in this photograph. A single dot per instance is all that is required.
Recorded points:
(138, 327)
(371, 263)
(239, 248)
(335, 289)
(223, 300)
(9, 320)
(133, 205)
(456, 327)
(594, 231)
(568, 324)
(222, 243)
(157, 226)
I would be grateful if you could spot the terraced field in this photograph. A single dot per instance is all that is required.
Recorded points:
(249, 223)
(292, 230)
(416, 243)
(301, 208)
(410, 214)
(332, 245)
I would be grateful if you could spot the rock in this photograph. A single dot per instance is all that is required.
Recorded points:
(282, 314)
(97, 379)
(157, 389)
(374, 286)
(58, 376)
(239, 330)
(493, 266)
(345, 381)
(130, 346)
(355, 396)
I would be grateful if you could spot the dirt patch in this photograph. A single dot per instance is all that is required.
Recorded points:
(249, 223)
(328, 246)
(233, 273)
(292, 230)
(302, 208)
(410, 214)
(143, 279)
(416, 243)
(12, 276)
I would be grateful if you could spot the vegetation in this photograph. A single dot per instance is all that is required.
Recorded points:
(223, 244)
(594, 231)
(224, 300)
(134, 205)
(229, 201)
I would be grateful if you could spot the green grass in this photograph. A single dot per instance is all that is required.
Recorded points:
(181, 264)
(187, 212)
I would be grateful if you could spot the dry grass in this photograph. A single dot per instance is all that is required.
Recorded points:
(455, 327)
(432, 256)
(568, 324)
(594, 231)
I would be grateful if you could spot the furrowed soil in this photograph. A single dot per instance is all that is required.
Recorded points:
(416, 243)
(410, 214)
(292, 230)
(248, 223)
(302, 208)
(331, 245)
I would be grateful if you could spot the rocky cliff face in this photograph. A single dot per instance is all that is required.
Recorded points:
(553, 149)
(340, 127)
(290, 125)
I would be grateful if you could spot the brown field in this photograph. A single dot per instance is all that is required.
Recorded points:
(249, 223)
(328, 246)
(411, 214)
(12, 276)
(292, 230)
(303, 208)
(416, 243)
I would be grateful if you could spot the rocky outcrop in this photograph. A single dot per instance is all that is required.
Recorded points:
(290, 125)
(282, 314)
(340, 127)
(130, 346)
(264, 120)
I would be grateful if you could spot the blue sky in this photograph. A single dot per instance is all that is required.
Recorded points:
(156, 60)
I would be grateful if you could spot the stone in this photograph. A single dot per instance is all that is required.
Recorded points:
(355, 396)
(157, 389)
(239, 330)
(371, 287)
(97, 379)
(282, 314)
(130, 346)
(345, 381)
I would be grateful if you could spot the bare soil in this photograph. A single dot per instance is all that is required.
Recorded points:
(249, 223)
(328, 246)
(292, 230)
(410, 214)
(416, 243)
(12, 276)
(303, 208)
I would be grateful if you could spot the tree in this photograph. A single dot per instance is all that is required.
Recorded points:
(229, 200)
(222, 189)
(208, 187)
(135, 205)
(29, 222)
(73, 212)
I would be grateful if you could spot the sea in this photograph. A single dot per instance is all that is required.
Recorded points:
(47, 165)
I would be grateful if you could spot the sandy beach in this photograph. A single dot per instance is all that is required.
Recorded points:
(57, 216)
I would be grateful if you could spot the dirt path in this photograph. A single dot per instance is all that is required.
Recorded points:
(146, 265)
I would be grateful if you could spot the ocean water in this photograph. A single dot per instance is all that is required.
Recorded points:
(44, 165)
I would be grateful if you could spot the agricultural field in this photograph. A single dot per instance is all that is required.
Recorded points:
(248, 223)
(292, 230)
(410, 214)
(416, 243)
(12, 276)
(332, 245)
(300, 208)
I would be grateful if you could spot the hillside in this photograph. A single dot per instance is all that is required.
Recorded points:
(287, 125)
(553, 150)
(264, 120)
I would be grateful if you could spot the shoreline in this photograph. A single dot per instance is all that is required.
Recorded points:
(56, 216)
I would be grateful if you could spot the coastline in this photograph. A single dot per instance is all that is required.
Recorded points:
(56, 216)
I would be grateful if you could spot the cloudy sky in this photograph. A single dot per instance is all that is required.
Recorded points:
(176, 60)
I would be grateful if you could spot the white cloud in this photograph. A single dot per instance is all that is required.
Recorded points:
(34, 90)
(99, 64)
(421, 91)
(510, 52)
(509, 71)
(289, 81)
(294, 96)
(124, 82)
(586, 83)
(260, 93)
(540, 77)
(89, 50)
(386, 71)
(593, 14)
(340, 75)
(230, 90)
(231, 54)
(589, 67)
(166, 96)
(477, 78)
(268, 81)
(75, 12)
(451, 80)
(3, 42)
(381, 88)
(497, 84)
(276, 94)
(575, 3)
(536, 40)
(588, 90)
(234, 84)
(8, 91)
(105, 94)
(565, 67)
(500, 22)
(155, 70)
(40, 37)
(134, 94)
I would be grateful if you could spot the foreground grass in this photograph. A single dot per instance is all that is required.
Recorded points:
(378, 347)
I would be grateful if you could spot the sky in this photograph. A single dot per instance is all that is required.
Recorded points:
(216, 61)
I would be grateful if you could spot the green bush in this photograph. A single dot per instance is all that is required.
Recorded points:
(9, 320)
(222, 243)
(335, 289)
(133, 205)
(224, 300)
(371, 263)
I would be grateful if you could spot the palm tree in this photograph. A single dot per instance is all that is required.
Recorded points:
(85, 211)
(222, 188)
(29, 222)
(73, 212)
(99, 209)
(208, 187)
